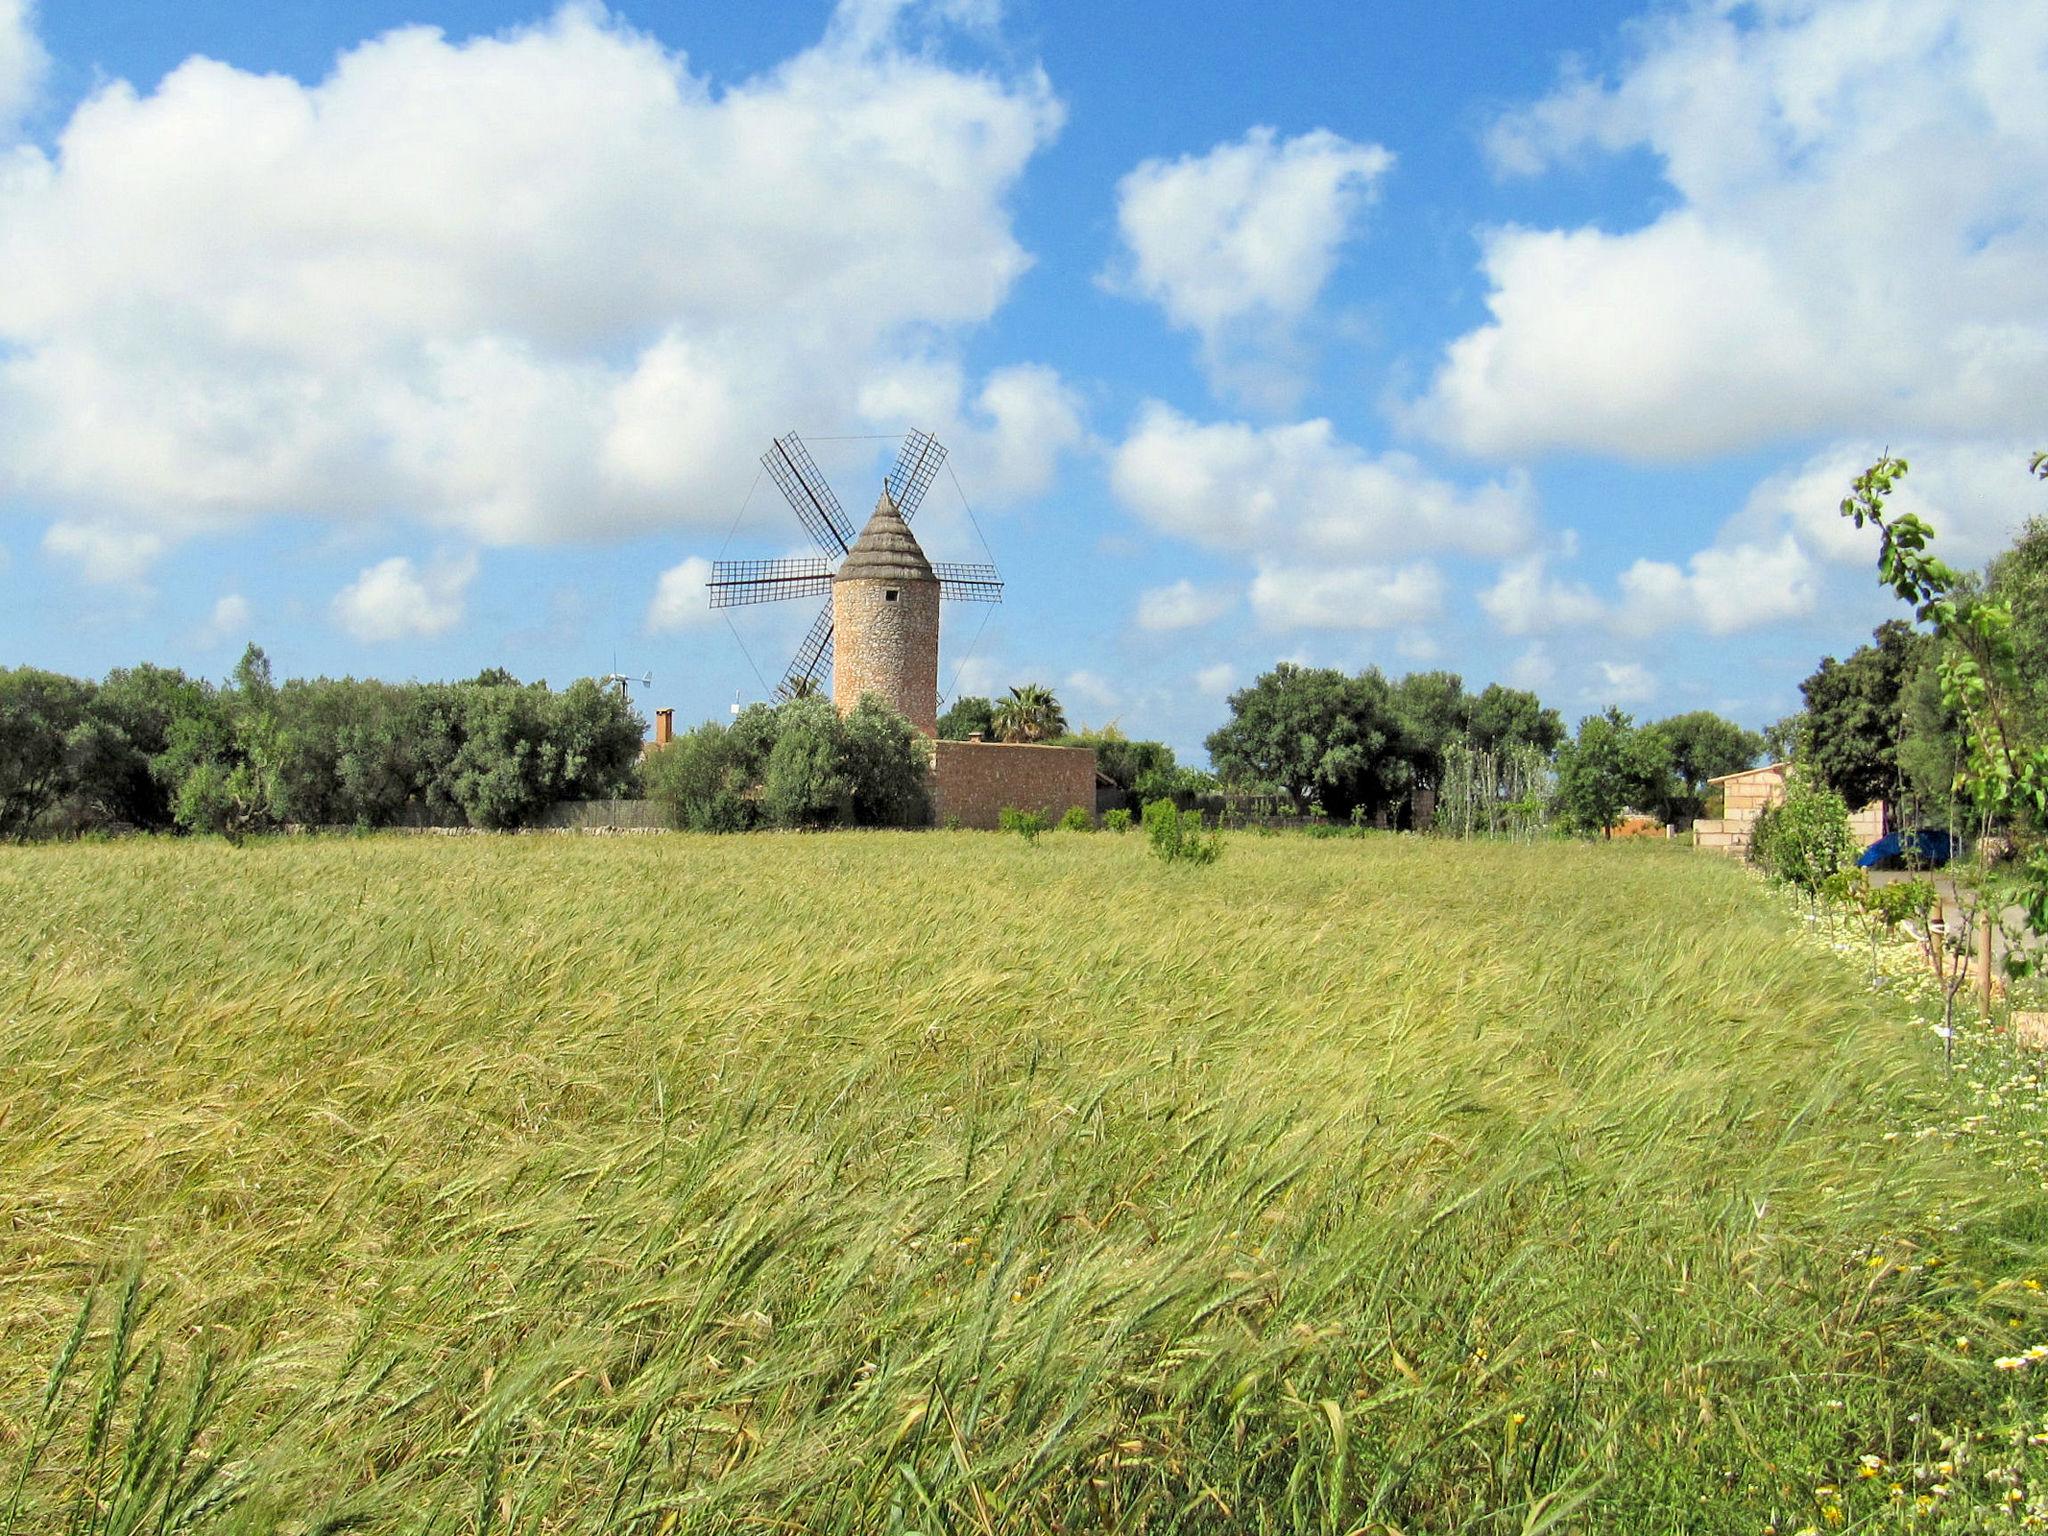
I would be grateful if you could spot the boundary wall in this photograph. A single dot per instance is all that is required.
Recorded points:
(973, 782)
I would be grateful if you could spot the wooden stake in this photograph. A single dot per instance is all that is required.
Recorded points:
(1984, 965)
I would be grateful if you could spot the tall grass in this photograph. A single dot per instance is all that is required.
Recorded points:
(877, 1182)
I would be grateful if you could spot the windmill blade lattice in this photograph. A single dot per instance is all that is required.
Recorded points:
(795, 473)
(968, 583)
(917, 465)
(739, 583)
(813, 659)
(736, 583)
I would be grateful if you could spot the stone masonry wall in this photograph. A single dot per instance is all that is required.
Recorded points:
(1748, 794)
(973, 781)
(889, 648)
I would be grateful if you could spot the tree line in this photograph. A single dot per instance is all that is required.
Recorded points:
(1875, 724)
(154, 749)
(1361, 746)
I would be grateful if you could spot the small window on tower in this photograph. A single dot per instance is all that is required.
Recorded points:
(888, 594)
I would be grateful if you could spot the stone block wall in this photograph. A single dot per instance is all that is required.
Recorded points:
(973, 781)
(1748, 794)
(889, 646)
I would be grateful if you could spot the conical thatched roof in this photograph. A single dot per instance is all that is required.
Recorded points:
(886, 550)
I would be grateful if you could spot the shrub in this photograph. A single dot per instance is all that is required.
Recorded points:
(1804, 838)
(1026, 824)
(1077, 820)
(887, 763)
(807, 783)
(701, 779)
(1118, 820)
(1176, 835)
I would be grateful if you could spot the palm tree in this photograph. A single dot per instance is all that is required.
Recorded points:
(1030, 713)
(804, 688)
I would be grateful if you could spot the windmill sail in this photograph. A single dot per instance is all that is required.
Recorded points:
(917, 464)
(735, 583)
(968, 583)
(813, 656)
(795, 473)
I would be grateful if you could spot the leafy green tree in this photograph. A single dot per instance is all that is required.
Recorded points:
(1786, 739)
(1701, 745)
(1435, 713)
(1141, 770)
(807, 783)
(1030, 713)
(38, 713)
(2005, 761)
(1931, 751)
(1611, 767)
(1855, 712)
(967, 716)
(1505, 718)
(1803, 839)
(1321, 737)
(120, 773)
(703, 779)
(2019, 579)
(888, 762)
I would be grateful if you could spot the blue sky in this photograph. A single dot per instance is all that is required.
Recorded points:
(1537, 342)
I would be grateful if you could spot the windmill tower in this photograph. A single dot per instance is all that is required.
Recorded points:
(882, 608)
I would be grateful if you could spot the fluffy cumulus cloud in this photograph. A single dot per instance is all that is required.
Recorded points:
(1623, 682)
(1330, 531)
(1976, 494)
(1721, 590)
(1299, 487)
(540, 286)
(397, 600)
(1183, 605)
(103, 553)
(228, 621)
(1288, 597)
(679, 602)
(22, 64)
(1855, 241)
(1236, 244)
(1528, 600)
(1012, 431)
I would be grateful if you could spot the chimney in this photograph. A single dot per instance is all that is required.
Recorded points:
(974, 735)
(664, 727)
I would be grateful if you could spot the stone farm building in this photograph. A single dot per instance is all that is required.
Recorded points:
(1744, 797)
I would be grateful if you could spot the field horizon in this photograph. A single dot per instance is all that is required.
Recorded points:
(940, 1181)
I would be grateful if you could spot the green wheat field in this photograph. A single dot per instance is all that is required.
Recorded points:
(948, 1183)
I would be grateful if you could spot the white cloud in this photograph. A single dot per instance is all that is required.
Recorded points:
(1217, 680)
(680, 601)
(1182, 606)
(1975, 494)
(1346, 597)
(1856, 243)
(1527, 600)
(1091, 689)
(540, 286)
(228, 621)
(22, 64)
(395, 600)
(1236, 244)
(1624, 682)
(1301, 489)
(1533, 669)
(106, 554)
(1723, 589)
(1008, 439)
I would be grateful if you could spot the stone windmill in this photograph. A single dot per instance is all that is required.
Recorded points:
(881, 614)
